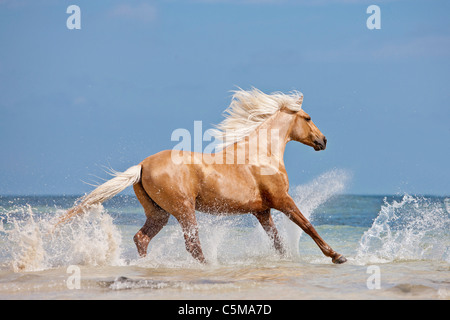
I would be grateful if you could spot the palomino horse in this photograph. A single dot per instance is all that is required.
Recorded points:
(246, 176)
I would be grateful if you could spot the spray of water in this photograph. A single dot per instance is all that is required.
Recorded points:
(415, 228)
(308, 198)
(33, 244)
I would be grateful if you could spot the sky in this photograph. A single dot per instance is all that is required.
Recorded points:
(111, 93)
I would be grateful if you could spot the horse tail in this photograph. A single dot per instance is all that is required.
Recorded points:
(106, 191)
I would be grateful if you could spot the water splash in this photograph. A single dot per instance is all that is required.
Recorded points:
(32, 244)
(26, 246)
(415, 228)
(309, 197)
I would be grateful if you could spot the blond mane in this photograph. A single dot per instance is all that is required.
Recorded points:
(249, 109)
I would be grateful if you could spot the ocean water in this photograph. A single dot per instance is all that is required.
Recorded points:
(397, 246)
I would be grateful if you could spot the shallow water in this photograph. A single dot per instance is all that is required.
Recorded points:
(398, 247)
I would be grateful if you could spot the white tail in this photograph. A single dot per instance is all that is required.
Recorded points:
(106, 191)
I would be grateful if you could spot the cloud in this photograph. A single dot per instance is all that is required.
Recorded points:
(143, 12)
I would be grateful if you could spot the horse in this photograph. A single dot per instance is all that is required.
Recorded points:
(246, 175)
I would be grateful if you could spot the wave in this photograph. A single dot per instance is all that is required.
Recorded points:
(414, 228)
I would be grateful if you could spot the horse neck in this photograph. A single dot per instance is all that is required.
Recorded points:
(269, 139)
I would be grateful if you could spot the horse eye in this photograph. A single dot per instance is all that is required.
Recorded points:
(308, 119)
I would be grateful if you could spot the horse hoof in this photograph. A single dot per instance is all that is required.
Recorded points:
(339, 260)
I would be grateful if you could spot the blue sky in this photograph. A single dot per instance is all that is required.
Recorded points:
(72, 101)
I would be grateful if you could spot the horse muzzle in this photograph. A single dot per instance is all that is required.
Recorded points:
(320, 145)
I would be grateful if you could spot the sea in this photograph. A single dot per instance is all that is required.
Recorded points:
(397, 247)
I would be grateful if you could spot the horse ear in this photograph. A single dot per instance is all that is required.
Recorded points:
(300, 100)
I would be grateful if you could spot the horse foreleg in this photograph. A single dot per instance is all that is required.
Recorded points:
(288, 207)
(266, 221)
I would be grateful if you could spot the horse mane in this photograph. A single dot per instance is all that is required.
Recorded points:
(249, 109)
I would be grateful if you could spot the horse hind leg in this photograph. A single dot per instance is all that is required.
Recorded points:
(157, 218)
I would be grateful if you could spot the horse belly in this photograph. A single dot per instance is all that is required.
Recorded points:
(229, 194)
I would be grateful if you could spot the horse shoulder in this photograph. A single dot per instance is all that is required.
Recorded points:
(273, 187)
